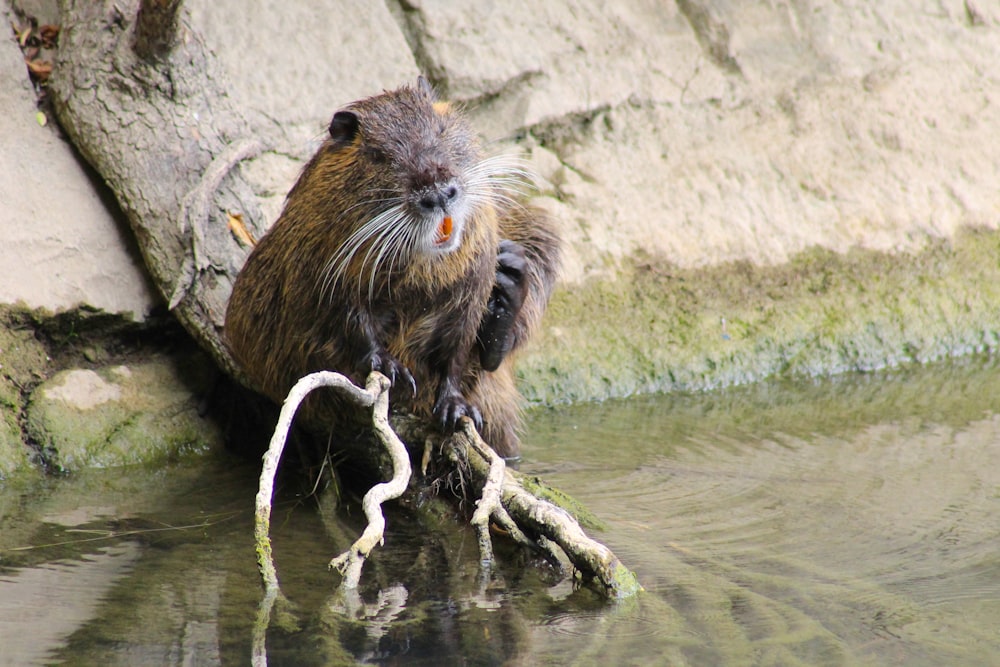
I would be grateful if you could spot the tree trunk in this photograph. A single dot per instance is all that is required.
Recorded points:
(164, 134)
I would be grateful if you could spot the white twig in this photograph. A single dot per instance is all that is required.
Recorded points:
(504, 500)
(375, 395)
(518, 508)
(349, 563)
(489, 502)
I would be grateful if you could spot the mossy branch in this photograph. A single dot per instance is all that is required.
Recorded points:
(521, 512)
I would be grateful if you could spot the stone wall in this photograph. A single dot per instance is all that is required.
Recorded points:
(703, 131)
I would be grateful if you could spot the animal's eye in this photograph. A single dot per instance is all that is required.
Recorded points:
(377, 156)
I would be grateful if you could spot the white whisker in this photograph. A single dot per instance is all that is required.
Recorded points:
(408, 239)
(499, 181)
(394, 200)
(388, 240)
(383, 243)
(374, 230)
(391, 246)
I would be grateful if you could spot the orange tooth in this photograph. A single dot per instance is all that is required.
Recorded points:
(444, 231)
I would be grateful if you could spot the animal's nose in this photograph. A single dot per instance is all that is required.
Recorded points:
(438, 198)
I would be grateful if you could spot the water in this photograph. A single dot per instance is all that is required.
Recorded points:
(845, 522)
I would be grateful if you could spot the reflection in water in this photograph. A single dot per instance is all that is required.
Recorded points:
(840, 522)
(42, 605)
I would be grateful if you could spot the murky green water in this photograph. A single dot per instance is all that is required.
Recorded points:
(852, 521)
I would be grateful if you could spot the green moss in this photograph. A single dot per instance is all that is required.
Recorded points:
(536, 487)
(14, 454)
(22, 360)
(626, 583)
(660, 328)
(145, 414)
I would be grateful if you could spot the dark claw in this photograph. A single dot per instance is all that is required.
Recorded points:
(476, 416)
(389, 366)
(451, 407)
(511, 259)
(410, 382)
(506, 295)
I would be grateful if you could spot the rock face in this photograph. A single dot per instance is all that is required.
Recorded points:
(701, 131)
(668, 136)
(704, 132)
(62, 244)
(714, 131)
(710, 153)
(118, 416)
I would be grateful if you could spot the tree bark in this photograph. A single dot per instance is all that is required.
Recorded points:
(166, 137)
(156, 28)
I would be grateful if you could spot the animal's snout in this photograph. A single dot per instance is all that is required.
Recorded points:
(438, 198)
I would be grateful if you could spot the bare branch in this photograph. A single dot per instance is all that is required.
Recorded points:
(489, 506)
(532, 514)
(375, 395)
(350, 562)
(488, 503)
(156, 28)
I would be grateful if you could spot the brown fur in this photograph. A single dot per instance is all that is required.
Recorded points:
(294, 309)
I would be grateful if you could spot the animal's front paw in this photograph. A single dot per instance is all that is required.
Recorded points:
(496, 337)
(508, 293)
(392, 368)
(452, 406)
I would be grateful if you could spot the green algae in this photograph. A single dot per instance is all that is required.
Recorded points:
(143, 413)
(538, 488)
(660, 328)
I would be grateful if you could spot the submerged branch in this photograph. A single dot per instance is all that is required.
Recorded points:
(529, 514)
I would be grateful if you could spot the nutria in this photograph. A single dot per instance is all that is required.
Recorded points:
(401, 249)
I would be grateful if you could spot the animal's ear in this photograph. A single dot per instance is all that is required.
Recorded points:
(425, 86)
(441, 107)
(344, 126)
